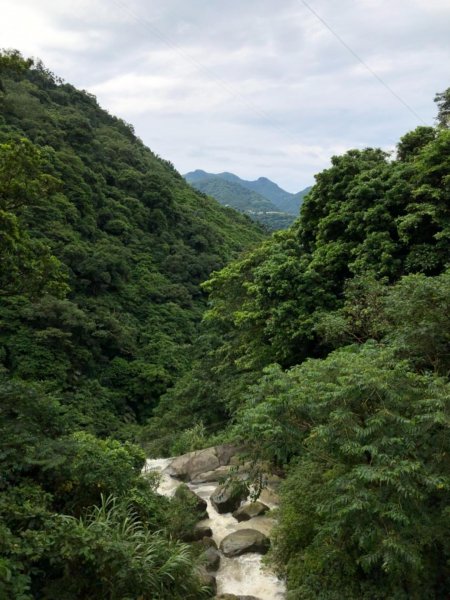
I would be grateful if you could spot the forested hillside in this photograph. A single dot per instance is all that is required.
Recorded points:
(263, 187)
(285, 201)
(326, 350)
(124, 240)
(103, 249)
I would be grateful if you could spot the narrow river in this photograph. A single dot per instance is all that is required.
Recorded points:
(243, 575)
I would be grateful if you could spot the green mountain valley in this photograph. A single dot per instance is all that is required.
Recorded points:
(262, 200)
(141, 318)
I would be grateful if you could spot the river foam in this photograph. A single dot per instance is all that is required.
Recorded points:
(242, 575)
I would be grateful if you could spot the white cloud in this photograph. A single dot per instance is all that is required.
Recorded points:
(256, 87)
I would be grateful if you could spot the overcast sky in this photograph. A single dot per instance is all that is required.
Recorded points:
(255, 87)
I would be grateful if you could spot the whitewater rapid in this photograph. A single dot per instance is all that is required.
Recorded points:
(242, 575)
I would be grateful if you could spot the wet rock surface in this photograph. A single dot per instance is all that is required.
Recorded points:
(187, 466)
(240, 576)
(227, 498)
(212, 559)
(215, 475)
(250, 510)
(244, 540)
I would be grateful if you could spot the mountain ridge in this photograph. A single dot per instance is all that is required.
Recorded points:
(283, 200)
(230, 193)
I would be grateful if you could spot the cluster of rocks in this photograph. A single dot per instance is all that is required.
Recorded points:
(198, 466)
(208, 466)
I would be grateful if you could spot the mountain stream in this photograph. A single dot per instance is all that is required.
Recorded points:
(242, 575)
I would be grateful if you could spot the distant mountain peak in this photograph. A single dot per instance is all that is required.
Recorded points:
(283, 200)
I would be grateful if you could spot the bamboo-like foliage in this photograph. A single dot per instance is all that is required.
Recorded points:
(109, 553)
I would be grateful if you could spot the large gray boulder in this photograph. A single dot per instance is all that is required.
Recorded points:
(225, 452)
(249, 510)
(215, 475)
(244, 540)
(187, 466)
(227, 498)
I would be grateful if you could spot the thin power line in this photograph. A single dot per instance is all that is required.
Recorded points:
(360, 60)
(206, 70)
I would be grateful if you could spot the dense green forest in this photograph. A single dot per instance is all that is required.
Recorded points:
(327, 348)
(324, 349)
(103, 249)
(105, 299)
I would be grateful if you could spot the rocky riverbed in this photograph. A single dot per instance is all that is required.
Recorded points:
(239, 529)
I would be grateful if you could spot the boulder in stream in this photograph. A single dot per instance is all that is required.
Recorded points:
(244, 540)
(215, 475)
(212, 559)
(187, 466)
(227, 498)
(225, 452)
(249, 510)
